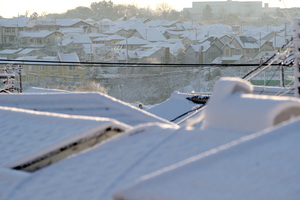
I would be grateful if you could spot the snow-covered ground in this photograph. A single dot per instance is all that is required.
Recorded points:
(241, 146)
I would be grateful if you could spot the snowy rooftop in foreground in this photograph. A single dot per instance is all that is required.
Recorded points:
(174, 107)
(149, 153)
(88, 104)
(264, 165)
(26, 134)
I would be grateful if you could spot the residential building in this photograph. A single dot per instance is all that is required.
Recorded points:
(40, 72)
(217, 9)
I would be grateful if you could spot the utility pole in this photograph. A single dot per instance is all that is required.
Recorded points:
(297, 57)
(20, 79)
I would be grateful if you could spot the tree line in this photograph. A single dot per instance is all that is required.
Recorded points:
(107, 9)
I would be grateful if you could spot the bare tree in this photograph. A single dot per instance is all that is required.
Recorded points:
(163, 9)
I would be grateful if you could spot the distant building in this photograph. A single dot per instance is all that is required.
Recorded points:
(218, 9)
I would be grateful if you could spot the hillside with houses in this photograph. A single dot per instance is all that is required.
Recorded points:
(139, 40)
(104, 46)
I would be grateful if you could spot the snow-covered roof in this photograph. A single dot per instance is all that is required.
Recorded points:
(264, 165)
(232, 58)
(27, 51)
(67, 57)
(247, 42)
(66, 22)
(174, 107)
(9, 180)
(27, 134)
(151, 34)
(14, 22)
(69, 30)
(148, 52)
(158, 153)
(10, 51)
(81, 39)
(43, 90)
(87, 104)
(133, 41)
(232, 95)
(36, 34)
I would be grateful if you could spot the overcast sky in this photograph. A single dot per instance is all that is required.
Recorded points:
(10, 8)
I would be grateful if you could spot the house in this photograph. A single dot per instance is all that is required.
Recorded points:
(56, 24)
(42, 72)
(10, 53)
(203, 53)
(247, 46)
(155, 55)
(40, 38)
(132, 43)
(9, 30)
(176, 49)
(75, 43)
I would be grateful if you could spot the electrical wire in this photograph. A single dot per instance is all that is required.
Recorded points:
(116, 64)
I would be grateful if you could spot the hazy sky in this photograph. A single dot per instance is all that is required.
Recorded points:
(10, 8)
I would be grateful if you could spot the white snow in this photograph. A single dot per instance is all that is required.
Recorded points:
(232, 107)
(88, 104)
(174, 107)
(9, 179)
(243, 150)
(264, 165)
(28, 134)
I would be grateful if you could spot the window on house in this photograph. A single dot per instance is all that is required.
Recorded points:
(32, 68)
(71, 68)
(227, 52)
(54, 68)
(42, 68)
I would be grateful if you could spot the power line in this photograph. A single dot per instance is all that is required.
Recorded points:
(116, 64)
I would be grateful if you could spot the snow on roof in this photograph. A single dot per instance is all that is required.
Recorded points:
(66, 22)
(27, 51)
(151, 34)
(68, 57)
(247, 42)
(133, 41)
(231, 96)
(69, 30)
(36, 34)
(9, 180)
(173, 107)
(149, 52)
(88, 104)
(263, 165)
(174, 47)
(232, 58)
(14, 22)
(27, 134)
(156, 147)
(35, 60)
(81, 39)
(10, 51)
(43, 90)
(118, 163)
